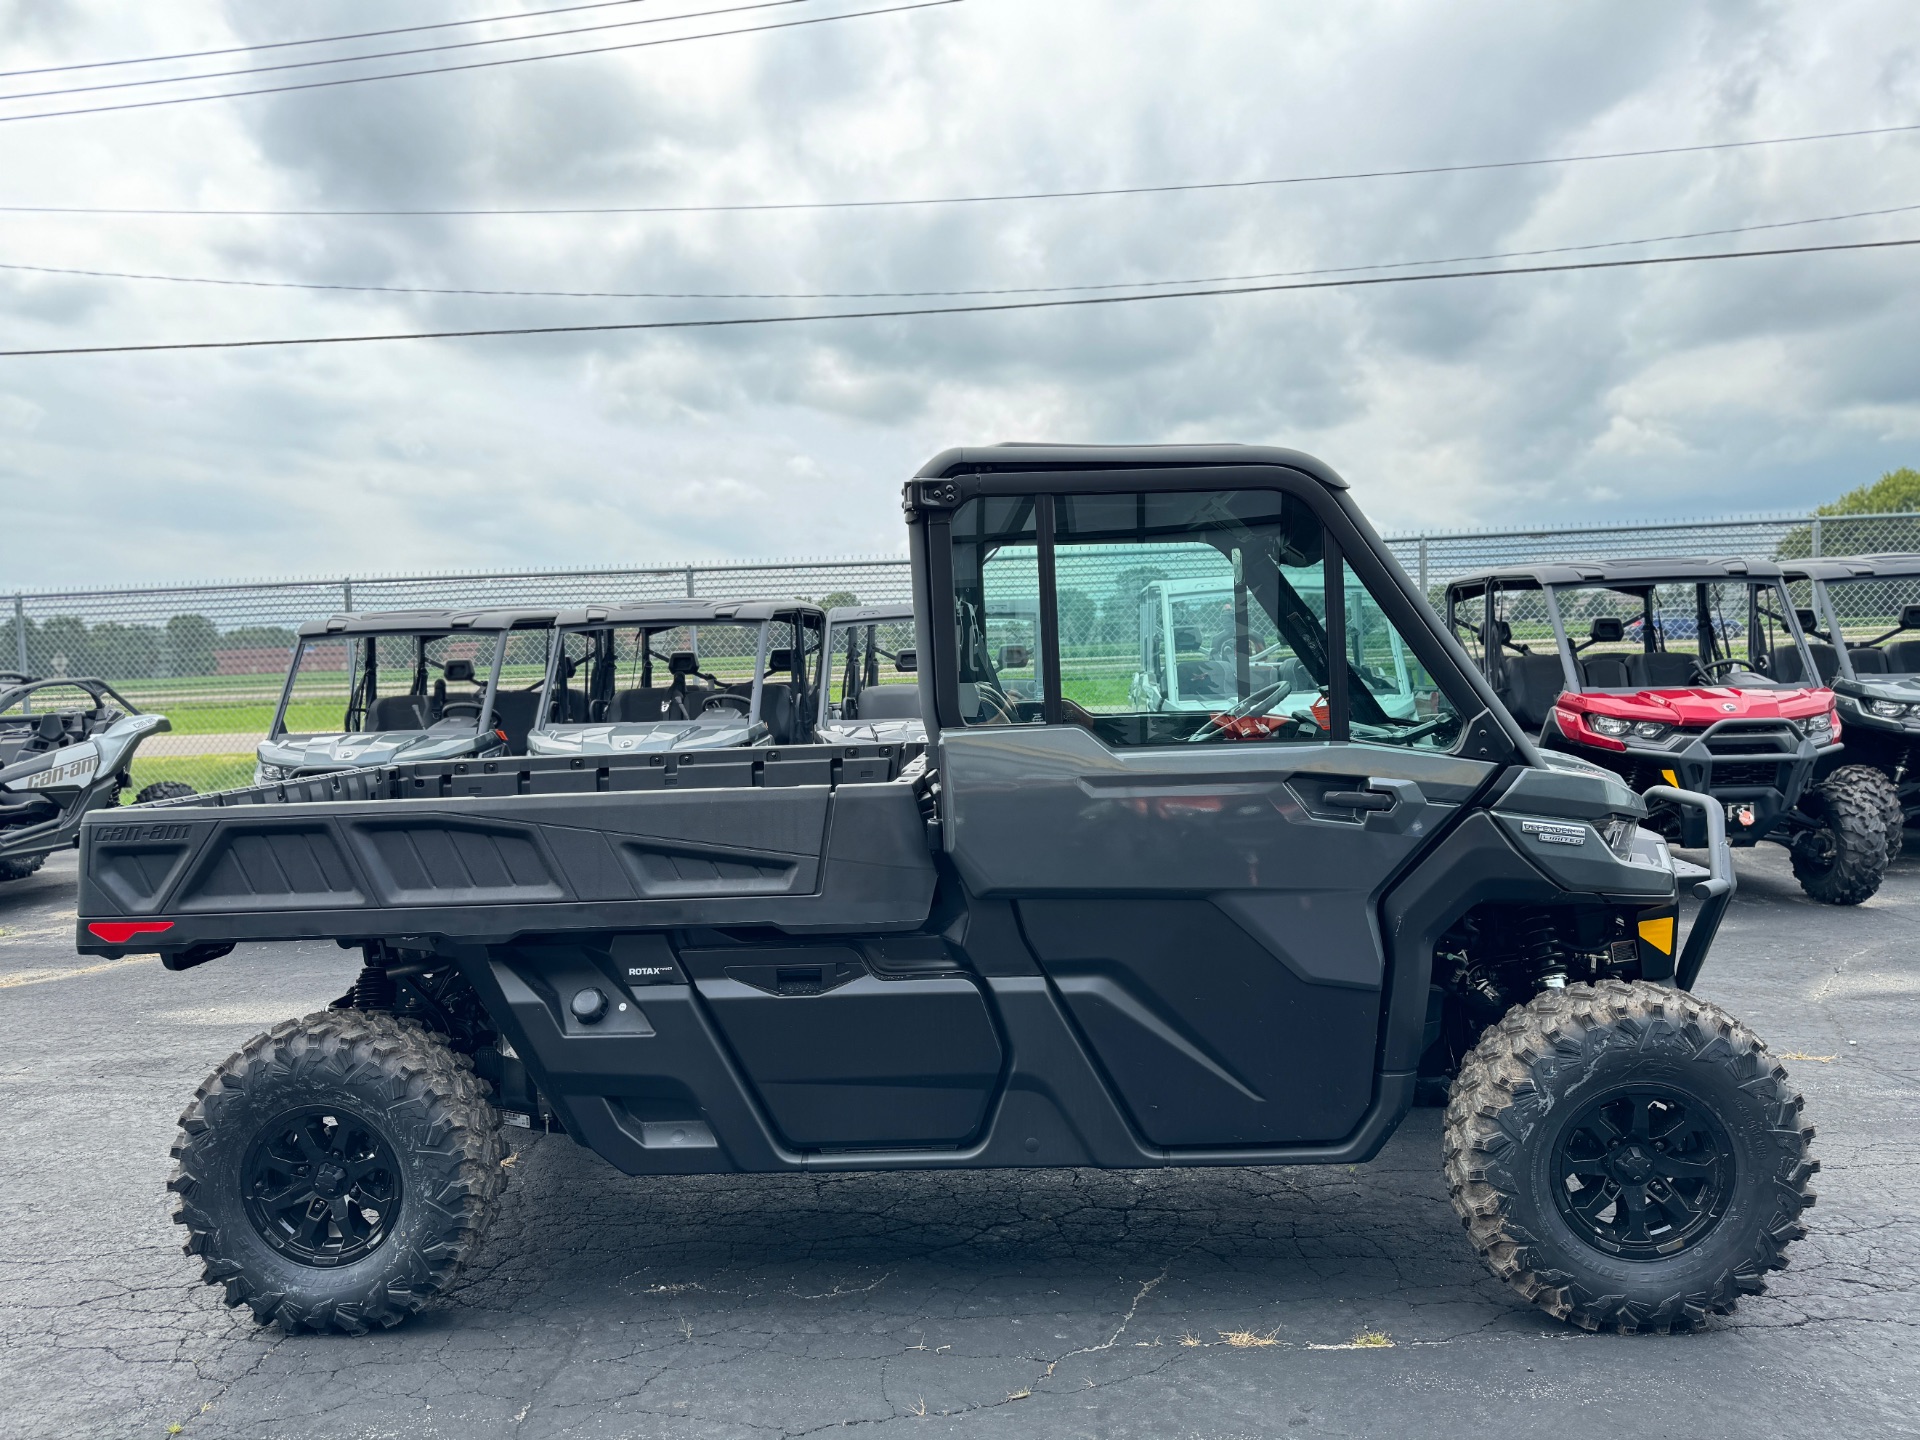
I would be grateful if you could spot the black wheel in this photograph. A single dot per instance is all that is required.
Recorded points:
(1627, 1155)
(1842, 860)
(338, 1171)
(21, 869)
(164, 790)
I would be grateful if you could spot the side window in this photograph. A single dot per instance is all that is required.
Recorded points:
(996, 602)
(1384, 676)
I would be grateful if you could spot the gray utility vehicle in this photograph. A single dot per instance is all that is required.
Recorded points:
(66, 747)
(735, 672)
(1735, 709)
(408, 685)
(1070, 932)
(878, 698)
(1857, 608)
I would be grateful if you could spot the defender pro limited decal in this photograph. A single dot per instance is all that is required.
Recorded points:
(77, 769)
(1555, 834)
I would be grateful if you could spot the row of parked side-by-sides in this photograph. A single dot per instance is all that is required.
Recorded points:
(1785, 693)
(660, 677)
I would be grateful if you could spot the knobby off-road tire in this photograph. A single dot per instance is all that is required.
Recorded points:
(1669, 1069)
(20, 869)
(164, 790)
(365, 1115)
(1844, 860)
(1896, 813)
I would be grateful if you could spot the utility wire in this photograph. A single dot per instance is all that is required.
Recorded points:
(397, 54)
(317, 40)
(476, 64)
(930, 294)
(989, 199)
(735, 322)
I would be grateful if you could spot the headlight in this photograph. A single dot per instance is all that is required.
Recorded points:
(273, 772)
(1885, 709)
(1610, 725)
(1650, 730)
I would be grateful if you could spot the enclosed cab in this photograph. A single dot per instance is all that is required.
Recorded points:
(381, 687)
(681, 675)
(1691, 673)
(872, 691)
(1862, 618)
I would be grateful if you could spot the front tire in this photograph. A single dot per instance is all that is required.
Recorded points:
(1627, 1155)
(1843, 859)
(338, 1172)
(165, 790)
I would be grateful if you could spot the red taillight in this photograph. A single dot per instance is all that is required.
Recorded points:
(118, 932)
(503, 736)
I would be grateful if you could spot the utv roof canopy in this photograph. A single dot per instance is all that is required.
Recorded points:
(1854, 567)
(1662, 570)
(1028, 456)
(665, 613)
(428, 622)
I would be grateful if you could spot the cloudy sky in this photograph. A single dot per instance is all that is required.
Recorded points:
(1709, 389)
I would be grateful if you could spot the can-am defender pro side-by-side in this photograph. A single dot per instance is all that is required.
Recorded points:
(1862, 616)
(1690, 673)
(1070, 933)
(66, 747)
(672, 676)
(406, 685)
(877, 700)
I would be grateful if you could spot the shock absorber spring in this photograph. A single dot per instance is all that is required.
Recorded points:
(1539, 944)
(374, 989)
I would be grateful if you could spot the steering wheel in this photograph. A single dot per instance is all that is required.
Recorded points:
(1259, 701)
(739, 704)
(1712, 668)
(460, 710)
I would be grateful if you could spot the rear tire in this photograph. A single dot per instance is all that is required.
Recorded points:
(338, 1172)
(1723, 1143)
(20, 869)
(1842, 860)
(165, 790)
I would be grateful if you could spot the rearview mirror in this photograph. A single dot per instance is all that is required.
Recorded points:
(683, 662)
(1910, 617)
(1014, 657)
(1608, 630)
(459, 672)
(1808, 620)
(907, 662)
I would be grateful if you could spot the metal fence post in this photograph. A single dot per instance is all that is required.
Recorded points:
(1423, 564)
(20, 630)
(346, 594)
(1816, 537)
(690, 582)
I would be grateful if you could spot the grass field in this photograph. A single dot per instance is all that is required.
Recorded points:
(203, 772)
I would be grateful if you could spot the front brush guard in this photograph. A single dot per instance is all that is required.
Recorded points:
(1715, 893)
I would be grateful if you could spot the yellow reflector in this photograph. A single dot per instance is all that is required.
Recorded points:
(1658, 933)
(1670, 778)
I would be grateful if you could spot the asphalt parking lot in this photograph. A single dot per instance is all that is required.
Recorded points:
(1295, 1302)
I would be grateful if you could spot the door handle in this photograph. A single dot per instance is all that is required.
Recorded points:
(1358, 800)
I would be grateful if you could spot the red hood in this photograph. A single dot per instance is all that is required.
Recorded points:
(1699, 708)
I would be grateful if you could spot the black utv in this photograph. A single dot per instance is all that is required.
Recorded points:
(1863, 614)
(1070, 932)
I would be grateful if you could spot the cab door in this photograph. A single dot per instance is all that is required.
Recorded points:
(1200, 882)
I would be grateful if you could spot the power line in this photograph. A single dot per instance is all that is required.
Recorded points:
(927, 294)
(477, 64)
(317, 40)
(396, 54)
(736, 322)
(1402, 172)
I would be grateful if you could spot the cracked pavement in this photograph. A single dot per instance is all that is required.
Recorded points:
(1296, 1302)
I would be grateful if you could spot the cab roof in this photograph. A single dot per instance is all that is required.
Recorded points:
(429, 622)
(1854, 567)
(688, 612)
(1679, 569)
(861, 614)
(1031, 455)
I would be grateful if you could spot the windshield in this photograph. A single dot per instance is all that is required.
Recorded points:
(636, 674)
(373, 683)
(1675, 635)
(1863, 625)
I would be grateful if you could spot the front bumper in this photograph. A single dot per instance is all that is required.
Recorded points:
(1714, 893)
(1757, 770)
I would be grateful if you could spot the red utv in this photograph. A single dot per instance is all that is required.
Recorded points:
(1691, 673)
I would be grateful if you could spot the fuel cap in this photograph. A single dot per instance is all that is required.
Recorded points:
(589, 1005)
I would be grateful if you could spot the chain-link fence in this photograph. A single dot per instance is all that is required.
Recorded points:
(212, 658)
